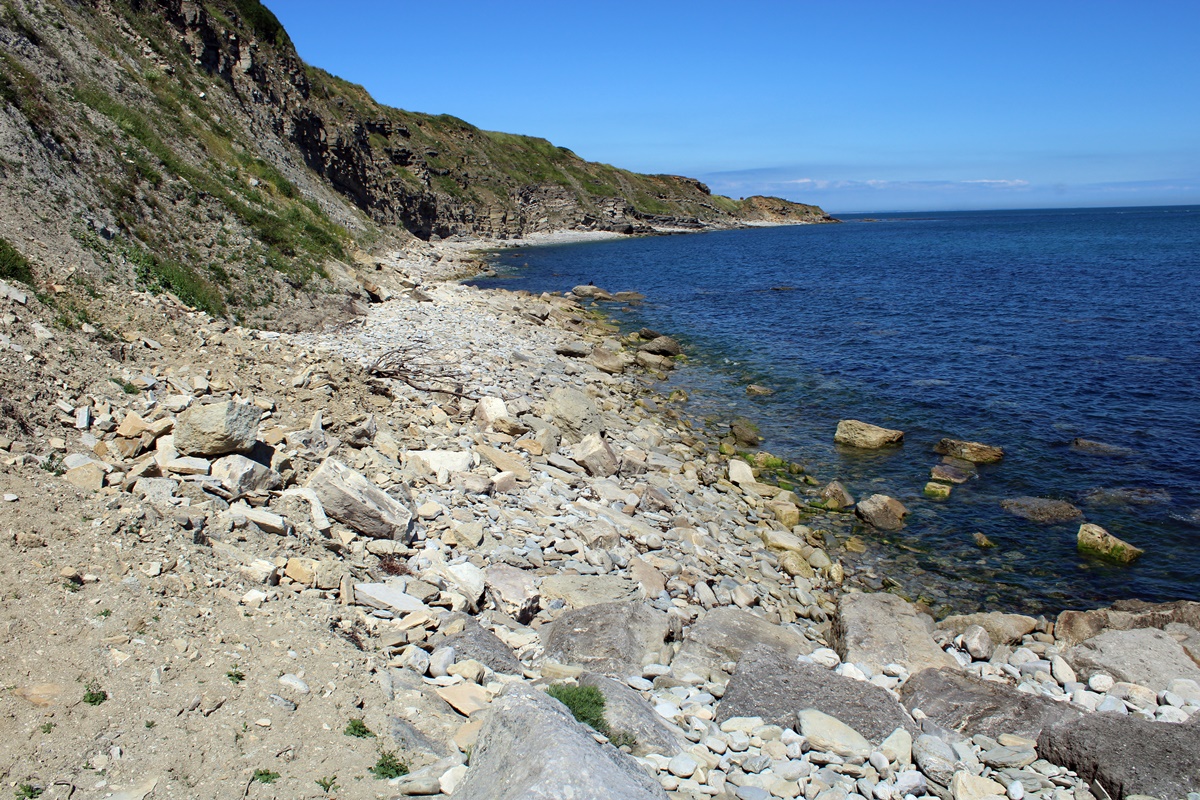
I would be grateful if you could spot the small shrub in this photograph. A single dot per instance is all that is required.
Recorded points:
(585, 702)
(13, 266)
(235, 676)
(358, 729)
(104, 613)
(388, 766)
(28, 790)
(393, 564)
(328, 784)
(94, 695)
(623, 739)
(265, 776)
(46, 727)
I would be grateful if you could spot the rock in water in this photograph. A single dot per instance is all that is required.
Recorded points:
(217, 428)
(864, 435)
(835, 496)
(531, 748)
(879, 629)
(1096, 541)
(745, 432)
(353, 500)
(662, 346)
(882, 512)
(1126, 755)
(1041, 509)
(969, 451)
(609, 638)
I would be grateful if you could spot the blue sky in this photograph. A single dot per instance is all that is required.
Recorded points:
(863, 106)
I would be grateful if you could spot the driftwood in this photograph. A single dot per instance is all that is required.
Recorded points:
(413, 365)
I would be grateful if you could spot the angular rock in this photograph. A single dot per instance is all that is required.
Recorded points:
(241, 475)
(978, 642)
(1041, 509)
(531, 748)
(972, 706)
(577, 591)
(608, 638)
(969, 451)
(627, 712)
(1127, 755)
(595, 455)
(879, 629)
(740, 472)
(836, 496)
(513, 591)
(1001, 628)
(216, 429)
(1145, 656)
(384, 595)
(864, 435)
(1096, 541)
(965, 786)
(936, 758)
(745, 432)
(477, 643)
(662, 346)
(442, 463)
(607, 361)
(574, 413)
(353, 500)
(882, 512)
(490, 409)
(725, 634)
(772, 685)
(1076, 626)
(89, 477)
(832, 735)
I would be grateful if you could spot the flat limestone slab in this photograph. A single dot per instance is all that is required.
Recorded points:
(880, 629)
(578, 591)
(1145, 656)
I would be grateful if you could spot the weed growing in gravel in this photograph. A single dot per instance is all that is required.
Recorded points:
(46, 727)
(28, 790)
(328, 784)
(235, 675)
(104, 613)
(388, 766)
(393, 564)
(265, 776)
(94, 695)
(359, 729)
(150, 724)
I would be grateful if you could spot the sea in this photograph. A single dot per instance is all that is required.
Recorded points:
(1022, 329)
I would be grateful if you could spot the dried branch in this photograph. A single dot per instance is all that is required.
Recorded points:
(414, 366)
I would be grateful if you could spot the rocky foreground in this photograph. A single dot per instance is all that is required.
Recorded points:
(350, 564)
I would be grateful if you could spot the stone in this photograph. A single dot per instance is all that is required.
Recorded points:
(832, 735)
(577, 591)
(89, 477)
(725, 634)
(740, 472)
(936, 758)
(469, 535)
(574, 413)
(836, 496)
(505, 462)
(936, 491)
(772, 685)
(1145, 656)
(1075, 626)
(948, 473)
(513, 591)
(1127, 755)
(662, 346)
(442, 463)
(531, 747)
(608, 638)
(490, 409)
(652, 581)
(1001, 628)
(627, 712)
(1095, 541)
(882, 512)
(476, 643)
(595, 455)
(1041, 509)
(969, 451)
(787, 514)
(607, 361)
(864, 435)
(465, 698)
(745, 432)
(387, 596)
(1002, 757)
(879, 629)
(965, 786)
(352, 500)
(971, 706)
(241, 475)
(271, 523)
(216, 429)
(978, 642)
(188, 465)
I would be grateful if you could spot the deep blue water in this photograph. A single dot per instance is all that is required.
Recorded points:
(1023, 329)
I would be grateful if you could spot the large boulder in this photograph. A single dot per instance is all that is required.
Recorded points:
(577, 591)
(353, 500)
(882, 512)
(1126, 755)
(574, 413)
(1041, 509)
(864, 435)
(1075, 626)
(531, 748)
(969, 451)
(478, 643)
(879, 629)
(242, 475)
(774, 686)
(609, 638)
(626, 711)
(1002, 628)
(216, 429)
(971, 706)
(1145, 656)
(724, 634)
(662, 346)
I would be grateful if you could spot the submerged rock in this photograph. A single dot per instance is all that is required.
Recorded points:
(974, 452)
(1094, 448)
(1041, 509)
(1096, 541)
(864, 435)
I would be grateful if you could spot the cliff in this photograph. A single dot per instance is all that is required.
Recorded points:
(184, 146)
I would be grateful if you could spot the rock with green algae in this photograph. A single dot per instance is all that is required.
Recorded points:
(1096, 541)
